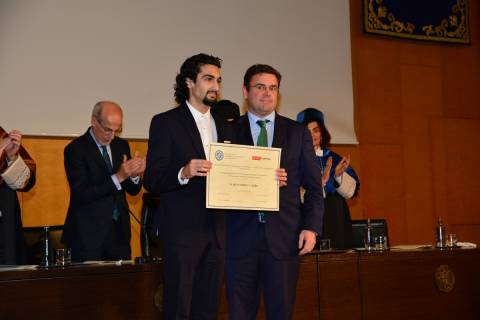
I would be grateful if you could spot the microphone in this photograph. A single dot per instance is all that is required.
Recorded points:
(145, 239)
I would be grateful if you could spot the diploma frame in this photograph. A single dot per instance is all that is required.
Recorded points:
(243, 178)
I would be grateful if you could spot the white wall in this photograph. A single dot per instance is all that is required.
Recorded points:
(59, 57)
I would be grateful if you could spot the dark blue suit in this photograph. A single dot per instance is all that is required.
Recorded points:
(265, 256)
(193, 237)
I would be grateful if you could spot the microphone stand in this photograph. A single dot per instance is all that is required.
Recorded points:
(146, 257)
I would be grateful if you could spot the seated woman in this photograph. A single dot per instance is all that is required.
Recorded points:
(17, 173)
(339, 181)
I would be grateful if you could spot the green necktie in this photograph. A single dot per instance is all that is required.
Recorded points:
(262, 141)
(106, 157)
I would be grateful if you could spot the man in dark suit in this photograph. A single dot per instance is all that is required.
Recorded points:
(193, 237)
(263, 248)
(100, 170)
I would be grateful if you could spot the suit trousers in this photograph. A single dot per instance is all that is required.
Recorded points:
(192, 280)
(260, 271)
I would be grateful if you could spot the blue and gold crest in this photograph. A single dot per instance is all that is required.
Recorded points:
(432, 20)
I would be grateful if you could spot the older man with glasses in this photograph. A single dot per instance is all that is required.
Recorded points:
(100, 170)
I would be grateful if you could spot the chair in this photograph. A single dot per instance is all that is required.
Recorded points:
(149, 236)
(358, 231)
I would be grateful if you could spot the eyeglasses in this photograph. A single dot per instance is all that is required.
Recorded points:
(108, 130)
(264, 88)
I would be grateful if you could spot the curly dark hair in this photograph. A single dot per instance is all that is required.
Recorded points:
(190, 69)
(257, 69)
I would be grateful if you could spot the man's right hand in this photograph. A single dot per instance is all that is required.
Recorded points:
(196, 168)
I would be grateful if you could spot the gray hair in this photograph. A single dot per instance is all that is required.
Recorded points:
(97, 110)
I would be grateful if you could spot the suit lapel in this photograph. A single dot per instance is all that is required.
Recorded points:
(187, 121)
(244, 133)
(279, 132)
(92, 148)
(219, 125)
(117, 156)
(280, 136)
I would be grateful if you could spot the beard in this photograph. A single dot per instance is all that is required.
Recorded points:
(209, 102)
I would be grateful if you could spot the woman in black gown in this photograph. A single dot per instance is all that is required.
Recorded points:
(340, 181)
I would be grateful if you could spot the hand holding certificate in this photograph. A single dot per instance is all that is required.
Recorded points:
(243, 178)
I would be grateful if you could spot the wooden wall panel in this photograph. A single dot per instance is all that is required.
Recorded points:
(383, 187)
(456, 143)
(402, 87)
(416, 53)
(466, 233)
(378, 97)
(47, 202)
(421, 99)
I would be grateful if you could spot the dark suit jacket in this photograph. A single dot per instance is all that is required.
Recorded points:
(182, 216)
(283, 228)
(93, 193)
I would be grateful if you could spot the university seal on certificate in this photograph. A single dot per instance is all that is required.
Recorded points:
(243, 178)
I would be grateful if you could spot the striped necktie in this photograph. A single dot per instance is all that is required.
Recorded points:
(106, 157)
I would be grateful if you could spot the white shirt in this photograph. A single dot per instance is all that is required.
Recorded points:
(208, 133)
(206, 127)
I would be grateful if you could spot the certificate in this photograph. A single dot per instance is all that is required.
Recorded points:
(243, 177)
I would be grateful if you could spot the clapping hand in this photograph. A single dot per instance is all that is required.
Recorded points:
(326, 171)
(131, 167)
(342, 166)
(11, 149)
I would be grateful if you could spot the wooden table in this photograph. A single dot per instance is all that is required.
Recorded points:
(81, 292)
(389, 285)
(353, 285)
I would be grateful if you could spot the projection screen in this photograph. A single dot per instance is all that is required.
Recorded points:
(59, 57)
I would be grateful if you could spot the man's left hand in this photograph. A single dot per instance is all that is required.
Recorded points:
(306, 241)
(281, 175)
